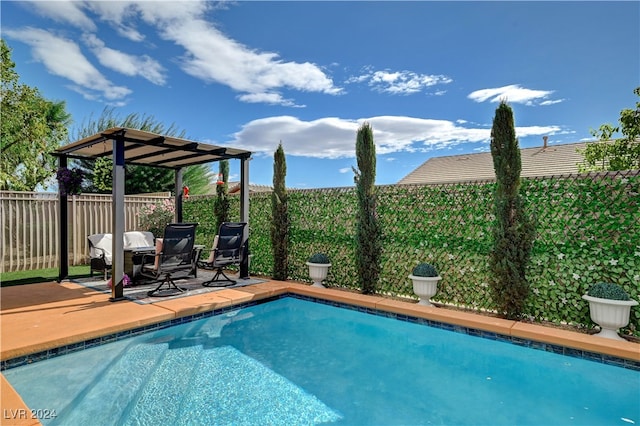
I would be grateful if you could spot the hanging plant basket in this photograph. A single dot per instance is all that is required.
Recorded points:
(69, 181)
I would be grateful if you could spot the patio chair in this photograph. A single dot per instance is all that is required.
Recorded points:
(227, 250)
(100, 253)
(176, 255)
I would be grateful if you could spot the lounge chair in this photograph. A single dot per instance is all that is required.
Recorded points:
(227, 250)
(100, 253)
(175, 255)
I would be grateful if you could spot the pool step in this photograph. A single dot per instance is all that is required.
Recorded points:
(159, 401)
(119, 385)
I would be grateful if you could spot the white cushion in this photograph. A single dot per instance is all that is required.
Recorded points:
(101, 241)
(133, 239)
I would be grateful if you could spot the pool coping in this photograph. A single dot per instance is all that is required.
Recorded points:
(189, 308)
(73, 326)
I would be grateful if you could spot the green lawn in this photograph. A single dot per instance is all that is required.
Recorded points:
(39, 275)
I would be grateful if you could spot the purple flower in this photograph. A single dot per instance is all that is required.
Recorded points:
(125, 281)
(69, 181)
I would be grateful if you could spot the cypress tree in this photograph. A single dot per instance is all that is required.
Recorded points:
(280, 217)
(368, 245)
(513, 230)
(221, 202)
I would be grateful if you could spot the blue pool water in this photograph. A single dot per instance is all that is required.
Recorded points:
(295, 362)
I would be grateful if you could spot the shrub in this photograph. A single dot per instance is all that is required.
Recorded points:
(608, 291)
(319, 258)
(221, 202)
(155, 217)
(425, 270)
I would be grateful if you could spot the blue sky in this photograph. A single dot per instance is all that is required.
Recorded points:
(427, 76)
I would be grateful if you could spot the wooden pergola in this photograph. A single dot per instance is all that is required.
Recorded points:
(131, 146)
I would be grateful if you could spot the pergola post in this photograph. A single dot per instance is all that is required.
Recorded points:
(63, 208)
(244, 215)
(177, 215)
(117, 215)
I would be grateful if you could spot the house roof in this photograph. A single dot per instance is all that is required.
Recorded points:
(149, 149)
(536, 162)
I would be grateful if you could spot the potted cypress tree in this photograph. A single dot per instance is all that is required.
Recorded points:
(318, 268)
(609, 307)
(425, 280)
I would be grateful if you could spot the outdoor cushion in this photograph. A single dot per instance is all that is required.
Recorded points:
(100, 247)
(158, 251)
(212, 255)
(133, 239)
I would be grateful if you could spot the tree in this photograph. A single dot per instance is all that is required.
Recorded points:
(32, 127)
(102, 175)
(221, 202)
(138, 179)
(368, 244)
(513, 231)
(280, 217)
(620, 154)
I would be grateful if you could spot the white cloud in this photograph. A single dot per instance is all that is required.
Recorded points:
(399, 82)
(345, 170)
(267, 98)
(550, 102)
(334, 138)
(116, 13)
(62, 57)
(69, 12)
(513, 93)
(120, 15)
(213, 57)
(126, 64)
(209, 55)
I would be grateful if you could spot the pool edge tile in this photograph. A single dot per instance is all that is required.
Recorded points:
(571, 339)
(338, 296)
(478, 322)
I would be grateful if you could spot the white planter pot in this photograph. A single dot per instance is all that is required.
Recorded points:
(318, 273)
(609, 314)
(425, 288)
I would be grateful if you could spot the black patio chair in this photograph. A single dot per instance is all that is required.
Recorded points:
(227, 250)
(176, 255)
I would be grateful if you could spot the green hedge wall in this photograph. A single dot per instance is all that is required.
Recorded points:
(588, 230)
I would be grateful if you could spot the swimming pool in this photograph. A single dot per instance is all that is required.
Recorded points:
(293, 361)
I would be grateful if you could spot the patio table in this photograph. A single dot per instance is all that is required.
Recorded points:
(133, 261)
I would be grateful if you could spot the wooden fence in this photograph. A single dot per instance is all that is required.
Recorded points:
(31, 228)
